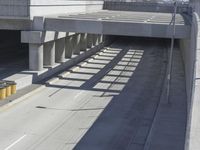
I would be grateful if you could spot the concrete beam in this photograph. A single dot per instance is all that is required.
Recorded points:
(42, 37)
(19, 23)
(159, 30)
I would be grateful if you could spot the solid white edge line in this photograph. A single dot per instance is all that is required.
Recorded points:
(14, 143)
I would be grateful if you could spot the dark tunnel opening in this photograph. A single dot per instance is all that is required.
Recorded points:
(13, 54)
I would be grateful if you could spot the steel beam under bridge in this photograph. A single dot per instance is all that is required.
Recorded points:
(125, 23)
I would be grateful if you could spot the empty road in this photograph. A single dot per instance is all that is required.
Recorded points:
(109, 102)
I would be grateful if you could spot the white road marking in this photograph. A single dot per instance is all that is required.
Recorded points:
(14, 143)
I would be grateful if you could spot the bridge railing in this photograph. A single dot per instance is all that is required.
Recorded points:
(147, 6)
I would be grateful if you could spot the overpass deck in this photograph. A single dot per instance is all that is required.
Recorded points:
(145, 24)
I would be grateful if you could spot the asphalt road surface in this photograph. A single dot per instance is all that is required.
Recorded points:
(109, 103)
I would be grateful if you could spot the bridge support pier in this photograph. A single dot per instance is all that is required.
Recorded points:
(68, 47)
(48, 47)
(90, 41)
(77, 39)
(83, 42)
(35, 57)
(49, 54)
(60, 50)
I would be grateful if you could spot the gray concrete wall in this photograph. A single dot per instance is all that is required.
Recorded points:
(191, 54)
(196, 5)
(14, 8)
(188, 52)
(30, 8)
(49, 7)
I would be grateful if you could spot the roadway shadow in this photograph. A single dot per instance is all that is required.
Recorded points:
(134, 79)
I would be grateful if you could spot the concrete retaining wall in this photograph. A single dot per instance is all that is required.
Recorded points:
(49, 7)
(30, 8)
(191, 54)
(15, 8)
(189, 51)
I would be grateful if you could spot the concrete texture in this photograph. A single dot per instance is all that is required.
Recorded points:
(18, 14)
(90, 41)
(192, 142)
(77, 44)
(49, 54)
(36, 56)
(144, 6)
(60, 50)
(83, 46)
(42, 37)
(15, 23)
(31, 8)
(125, 23)
(46, 7)
(188, 48)
(68, 47)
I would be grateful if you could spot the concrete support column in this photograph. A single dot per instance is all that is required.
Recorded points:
(90, 40)
(101, 39)
(49, 53)
(95, 39)
(68, 46)
(77, 39)
(83, 42)
(35, 57)
(60, 50)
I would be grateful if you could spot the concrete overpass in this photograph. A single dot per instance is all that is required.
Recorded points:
(144, 24)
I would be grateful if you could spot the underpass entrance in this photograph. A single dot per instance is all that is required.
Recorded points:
(13, 54)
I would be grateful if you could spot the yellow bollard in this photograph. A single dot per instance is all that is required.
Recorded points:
(8, 90)
(13, 86)
(2, 92)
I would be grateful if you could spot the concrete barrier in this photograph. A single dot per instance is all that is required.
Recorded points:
(191, 54)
